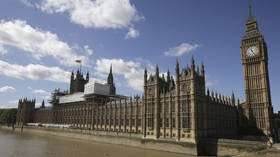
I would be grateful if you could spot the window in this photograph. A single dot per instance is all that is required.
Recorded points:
(173, 122)
(167, 123)
(173, 106)
(150, 123)
(139, 122)
(166, 107)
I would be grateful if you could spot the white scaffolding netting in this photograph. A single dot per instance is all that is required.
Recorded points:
(76, 97)
(97, 88)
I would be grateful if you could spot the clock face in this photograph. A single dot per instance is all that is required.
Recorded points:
(252, 51)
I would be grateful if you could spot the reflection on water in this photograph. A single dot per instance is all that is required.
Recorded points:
(25, 145)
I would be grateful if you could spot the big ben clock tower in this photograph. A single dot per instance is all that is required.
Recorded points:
(258, 108)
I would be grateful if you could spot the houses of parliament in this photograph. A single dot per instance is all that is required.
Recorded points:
(179, 108)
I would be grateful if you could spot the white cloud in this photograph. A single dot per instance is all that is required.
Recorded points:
(133, 33)
(88, 50)
(3, 50)
(27, 3)
(39, 43)
(47, 97)
(114, 14)
(181, 49)
(7, 89)
(40, 91)
(34, 72)
(13, 102)
(44, 94)
(130, 70)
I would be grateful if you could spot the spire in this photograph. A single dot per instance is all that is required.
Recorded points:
(168, 77)
(251, 18)
(110, 79)
(177, 70)
(202, 69)
(145, 75)
(192, 61)
(87, 77)
(43, 104)
(192, 66)
(111, 68)
(232, 99)
(157, 71)
(177, 64)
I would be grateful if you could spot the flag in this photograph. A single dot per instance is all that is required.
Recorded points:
(78, 61)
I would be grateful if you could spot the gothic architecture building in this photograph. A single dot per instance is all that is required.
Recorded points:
(179, 108)
(258, 108)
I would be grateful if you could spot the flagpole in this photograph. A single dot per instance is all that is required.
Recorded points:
(80, 62)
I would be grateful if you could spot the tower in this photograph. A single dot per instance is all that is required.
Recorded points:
(258, 108)
(110, 82)
(25, 111)
(77, 84)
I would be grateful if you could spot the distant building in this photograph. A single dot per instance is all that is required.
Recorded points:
(170, 108)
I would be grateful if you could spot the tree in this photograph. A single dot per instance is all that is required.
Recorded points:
(8, 116)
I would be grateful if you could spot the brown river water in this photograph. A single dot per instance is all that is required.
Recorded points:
(26, 145)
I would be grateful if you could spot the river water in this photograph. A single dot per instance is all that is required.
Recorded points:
(26, 145)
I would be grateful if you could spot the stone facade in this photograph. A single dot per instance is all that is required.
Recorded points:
(77, 84)
(169, 109)
(258, 107)
(25, 111)
(179, 108)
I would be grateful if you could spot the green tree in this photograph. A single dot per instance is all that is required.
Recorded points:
(8, 116)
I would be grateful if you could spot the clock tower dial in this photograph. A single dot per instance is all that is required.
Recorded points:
(258, 108)
(252, 51)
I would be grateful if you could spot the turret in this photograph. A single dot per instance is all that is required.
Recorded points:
(238, 102)
(202, 70)
(168, 77)
(162, 76)
(232, 99)
(145, 76)
(72, 76)
(87, 77)
(78, 74)
(192, 67)
(157, 73)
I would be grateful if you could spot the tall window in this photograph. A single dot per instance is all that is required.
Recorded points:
(173, 106)
(167, 123)
(184, 114)
(167, 107)
(173, 122)
(150, 115)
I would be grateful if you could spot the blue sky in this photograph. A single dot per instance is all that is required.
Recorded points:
(40, 40)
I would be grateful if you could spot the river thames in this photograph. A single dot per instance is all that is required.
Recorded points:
(26, 145)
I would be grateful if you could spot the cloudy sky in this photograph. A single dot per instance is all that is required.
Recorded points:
(41, 39)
